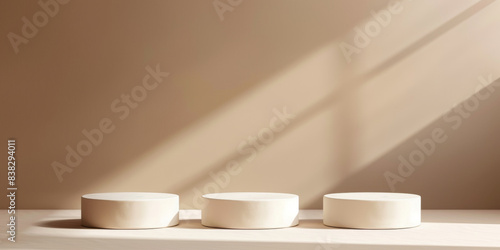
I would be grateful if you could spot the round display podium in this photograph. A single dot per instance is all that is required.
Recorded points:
(249, 210)
(371, 210)
(133, 210)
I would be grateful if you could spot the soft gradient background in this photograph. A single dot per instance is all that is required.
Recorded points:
(353, 120)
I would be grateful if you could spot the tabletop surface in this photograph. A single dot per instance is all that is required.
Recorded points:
(440, 229)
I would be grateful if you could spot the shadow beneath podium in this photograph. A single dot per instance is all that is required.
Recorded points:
(63, 224)
(312, 223)
(76, 224)
(191, 224)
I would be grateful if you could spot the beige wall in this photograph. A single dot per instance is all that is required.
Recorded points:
(353, 121)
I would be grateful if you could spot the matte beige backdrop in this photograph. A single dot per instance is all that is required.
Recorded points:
(305, 97)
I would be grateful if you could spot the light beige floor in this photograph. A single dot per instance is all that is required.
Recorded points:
(441, 229)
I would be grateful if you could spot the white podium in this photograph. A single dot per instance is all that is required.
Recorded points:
(130, 210)
(371, 210)
(250, 210)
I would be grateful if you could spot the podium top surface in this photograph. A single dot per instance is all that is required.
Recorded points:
(129, 196)
(249, 196)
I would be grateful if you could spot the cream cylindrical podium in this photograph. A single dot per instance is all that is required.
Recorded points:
(133, 210)
(371, 210)
(248, 210)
